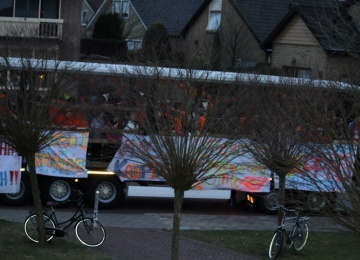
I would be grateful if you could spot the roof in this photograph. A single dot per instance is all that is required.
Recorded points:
(325, 27)
(262, 16)
(175, 15)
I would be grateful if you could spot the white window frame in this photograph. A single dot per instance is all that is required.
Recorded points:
(39, 11)
(121, 7)
(134, 44)
(299, 72)
(84, 17)
(214, 21)
(214, 16)
(304, 73)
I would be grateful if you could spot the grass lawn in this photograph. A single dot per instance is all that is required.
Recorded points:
(14, 244)
(320, 245)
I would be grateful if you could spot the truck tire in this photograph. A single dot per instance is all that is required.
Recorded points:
(267, 201)
(56, 189)
(20, 198)
(315, 201)
(111, 192)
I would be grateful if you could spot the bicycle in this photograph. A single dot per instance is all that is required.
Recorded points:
(88, 230)
(298, 236)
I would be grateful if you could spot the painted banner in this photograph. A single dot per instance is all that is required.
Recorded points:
(324, 169)
(242, 173)
(65, 157)
(10, 174)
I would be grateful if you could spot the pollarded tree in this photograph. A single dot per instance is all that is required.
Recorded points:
(30, 89)
(156, 44)
(272, 131)
(187, 132)
(334, 172)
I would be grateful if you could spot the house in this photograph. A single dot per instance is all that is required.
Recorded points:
(91, 10)
(243, 35)
(38, 25)
(314, 42)
(175, 15)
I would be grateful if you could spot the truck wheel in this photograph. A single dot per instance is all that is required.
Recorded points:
(56, 189)
(315, 201)
(111, 192)
(267, 201)
(20, 198)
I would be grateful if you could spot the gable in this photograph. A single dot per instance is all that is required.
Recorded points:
(296, 32)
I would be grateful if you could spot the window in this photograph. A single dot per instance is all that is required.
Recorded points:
(27, 8)
(85, 17)
(134, 44)
(245, 64)
(49, 9)
(214, 21)
(6, 8)
(304, 73)
(30, 8)
(121, 8)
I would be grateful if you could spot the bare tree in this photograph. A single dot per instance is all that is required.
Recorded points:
(335, 24)
(273, 130)
(236, 44)
(333, 168)
(31, 88)
(185, 131)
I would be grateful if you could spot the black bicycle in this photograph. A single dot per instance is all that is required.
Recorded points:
(298, 236)
(88, 230)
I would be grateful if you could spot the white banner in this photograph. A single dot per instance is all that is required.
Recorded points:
(10, 174)
(65, 157)
(242, 173)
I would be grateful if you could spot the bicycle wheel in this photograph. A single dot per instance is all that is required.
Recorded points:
(90, 232)
(276, 244)
(31, 228)
(300, 235)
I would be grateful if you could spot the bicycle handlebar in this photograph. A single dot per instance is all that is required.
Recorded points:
(287, 209)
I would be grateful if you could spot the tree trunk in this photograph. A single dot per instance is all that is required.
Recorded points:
(36, 197)
(281, 195)
(178, 201)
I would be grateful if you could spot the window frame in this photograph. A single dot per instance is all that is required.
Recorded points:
(214, 21)
(84, 16)
(39, 10)
(121, 7)
(298, 72)
(136, 44)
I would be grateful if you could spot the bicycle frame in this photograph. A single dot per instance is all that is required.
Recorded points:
(297, 220)
(298, 236)
(79, 214)
(281, 227)
(88, 230)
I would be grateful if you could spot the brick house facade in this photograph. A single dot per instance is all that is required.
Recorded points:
(50, 31)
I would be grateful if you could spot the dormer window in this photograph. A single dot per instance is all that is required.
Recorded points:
(121, 7)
